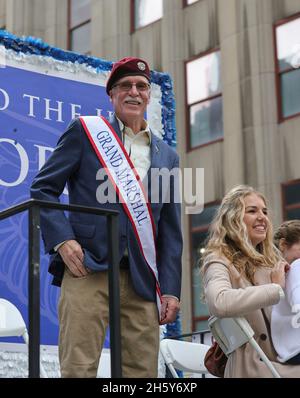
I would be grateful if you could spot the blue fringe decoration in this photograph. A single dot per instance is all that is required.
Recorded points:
(32, 45)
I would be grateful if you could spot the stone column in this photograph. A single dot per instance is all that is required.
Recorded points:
(26, 17)
(173, 63)
(111, 29)
(233, 146)
(56, 23)
(2, 13)
(262, 163)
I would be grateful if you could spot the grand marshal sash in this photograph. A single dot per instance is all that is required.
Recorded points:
(126, 182)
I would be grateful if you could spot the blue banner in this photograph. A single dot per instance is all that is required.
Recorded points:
(35, 110)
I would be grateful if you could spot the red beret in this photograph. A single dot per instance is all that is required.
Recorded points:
(128, 66)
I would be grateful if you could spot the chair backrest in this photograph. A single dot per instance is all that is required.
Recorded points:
(11, 320)
(12, 324)
(230, 333)
(104, 370)
(184, 355)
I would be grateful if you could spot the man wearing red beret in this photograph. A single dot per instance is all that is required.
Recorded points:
(150, 240)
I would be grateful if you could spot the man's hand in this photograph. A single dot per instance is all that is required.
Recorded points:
(169, 308)
(72, 255)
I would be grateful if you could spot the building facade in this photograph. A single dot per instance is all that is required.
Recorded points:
(236, 71)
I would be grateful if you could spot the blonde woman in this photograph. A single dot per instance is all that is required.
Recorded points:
(244, 275)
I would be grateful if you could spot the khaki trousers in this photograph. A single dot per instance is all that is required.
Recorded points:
(84, 317)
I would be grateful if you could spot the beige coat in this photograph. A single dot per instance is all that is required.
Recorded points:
(230, 295)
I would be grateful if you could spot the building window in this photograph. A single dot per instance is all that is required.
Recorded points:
(188, 2)
(146, 12)
(80, 26)
(204, 99)
(291, 200)
(199, 224)
(287, 35)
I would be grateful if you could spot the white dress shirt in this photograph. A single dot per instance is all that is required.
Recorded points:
(285, 320)
(138, 147)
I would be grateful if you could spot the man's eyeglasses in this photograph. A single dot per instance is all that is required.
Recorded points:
(127, 86)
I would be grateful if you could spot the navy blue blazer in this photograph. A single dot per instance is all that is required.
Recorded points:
(74, 162)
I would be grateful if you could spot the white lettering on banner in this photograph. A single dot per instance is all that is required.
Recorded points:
(6, 100)
(24, 164)
(58, 110)
(69, 111)
(99, 113)
(113, 157)
(74, 112)
(31, 103)
(42, 150)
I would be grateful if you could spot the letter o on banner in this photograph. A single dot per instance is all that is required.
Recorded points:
(24, 164)
(6, 100)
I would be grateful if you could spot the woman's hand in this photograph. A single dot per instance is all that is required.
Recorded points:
(278, 273)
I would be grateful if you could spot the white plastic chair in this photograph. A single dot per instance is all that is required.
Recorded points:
(104, 371)
(12, 324)
(183, 355)
(232, 333)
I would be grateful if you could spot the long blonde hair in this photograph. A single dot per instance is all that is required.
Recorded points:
(228, 235)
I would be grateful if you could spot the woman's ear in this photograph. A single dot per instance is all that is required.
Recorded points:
(282, 244)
